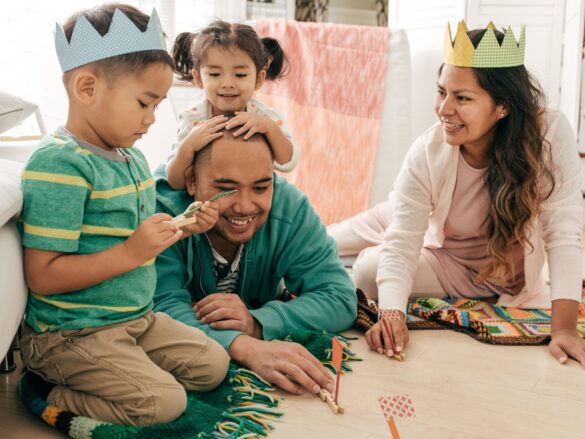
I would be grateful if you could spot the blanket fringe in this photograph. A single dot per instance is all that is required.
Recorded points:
(252, 408)
(348, 355)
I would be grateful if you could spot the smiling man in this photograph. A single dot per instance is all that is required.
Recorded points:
(228, 282)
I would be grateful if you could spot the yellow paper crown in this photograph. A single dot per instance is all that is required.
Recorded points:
(489, 53)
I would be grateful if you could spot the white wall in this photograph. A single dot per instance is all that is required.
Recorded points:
(30, 68)
(425, 22)
(29, 65)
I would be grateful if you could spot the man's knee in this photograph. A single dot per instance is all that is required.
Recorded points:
(210, 370)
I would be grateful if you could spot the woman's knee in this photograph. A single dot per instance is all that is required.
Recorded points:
(365, 270)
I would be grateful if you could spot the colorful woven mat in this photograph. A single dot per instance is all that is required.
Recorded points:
(243, 406)
(483, 321)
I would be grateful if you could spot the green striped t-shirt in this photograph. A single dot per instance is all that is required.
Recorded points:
(82, 199)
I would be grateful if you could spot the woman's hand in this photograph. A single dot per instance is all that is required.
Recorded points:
(390, 335)
(565, 344)
(565, 341)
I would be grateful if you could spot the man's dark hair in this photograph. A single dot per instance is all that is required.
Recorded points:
(204, 154)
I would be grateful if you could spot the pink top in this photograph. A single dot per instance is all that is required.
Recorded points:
(464, 253)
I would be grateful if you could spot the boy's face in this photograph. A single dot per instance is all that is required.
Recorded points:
(123, 110)
(229, 78)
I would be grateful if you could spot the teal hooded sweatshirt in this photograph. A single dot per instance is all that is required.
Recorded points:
(292, 245)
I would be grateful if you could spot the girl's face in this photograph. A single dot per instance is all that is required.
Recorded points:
(467, 112)
(229, 78)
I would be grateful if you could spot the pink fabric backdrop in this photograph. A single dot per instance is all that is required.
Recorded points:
(332, 103)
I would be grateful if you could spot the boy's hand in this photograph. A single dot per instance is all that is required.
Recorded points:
(203, 133)
(152, 237)
(250, 123)
(206, 218)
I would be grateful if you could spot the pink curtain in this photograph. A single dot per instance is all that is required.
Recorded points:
(332, 104)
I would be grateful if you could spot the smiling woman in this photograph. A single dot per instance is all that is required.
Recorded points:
(468, 113)
(484, 198)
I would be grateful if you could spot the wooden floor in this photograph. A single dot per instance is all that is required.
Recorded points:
(460, 388)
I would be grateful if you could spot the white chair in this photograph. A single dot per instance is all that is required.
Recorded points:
(13, 290)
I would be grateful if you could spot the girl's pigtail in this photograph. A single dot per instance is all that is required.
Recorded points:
(277, 66)
(181, 53)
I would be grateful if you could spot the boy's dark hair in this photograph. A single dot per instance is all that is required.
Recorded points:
(190, 50)
(100, 18)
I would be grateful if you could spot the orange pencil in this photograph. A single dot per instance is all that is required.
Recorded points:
(399, 356)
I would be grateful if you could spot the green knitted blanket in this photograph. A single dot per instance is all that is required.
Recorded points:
(243, 406)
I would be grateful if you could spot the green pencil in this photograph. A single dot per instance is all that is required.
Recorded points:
(216, 197)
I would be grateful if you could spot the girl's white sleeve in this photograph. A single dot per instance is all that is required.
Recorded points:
(186, 120)
(403, 239)
(279, 120)
(561, 214)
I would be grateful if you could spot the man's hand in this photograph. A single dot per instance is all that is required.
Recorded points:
(227, 311)
(288, 365)
(250, 123)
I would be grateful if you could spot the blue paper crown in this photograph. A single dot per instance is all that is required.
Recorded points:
(87, 45)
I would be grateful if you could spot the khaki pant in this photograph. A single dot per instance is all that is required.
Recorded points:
(132, 373)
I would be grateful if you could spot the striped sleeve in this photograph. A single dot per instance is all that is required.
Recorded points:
(56, 184)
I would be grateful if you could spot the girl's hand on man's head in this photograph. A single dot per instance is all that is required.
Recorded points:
(250, 124)
(204, 133)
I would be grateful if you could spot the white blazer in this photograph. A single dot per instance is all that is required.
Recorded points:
(422, 199)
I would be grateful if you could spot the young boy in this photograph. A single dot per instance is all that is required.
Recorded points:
(91, 236)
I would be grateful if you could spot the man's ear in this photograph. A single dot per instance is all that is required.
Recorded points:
(197, 78)
(85, 85)
(260, 79)
(191, 181)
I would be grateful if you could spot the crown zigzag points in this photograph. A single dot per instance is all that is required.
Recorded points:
(489, 53)
(87, 45)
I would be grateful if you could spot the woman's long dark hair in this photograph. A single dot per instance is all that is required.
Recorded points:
(520, 174)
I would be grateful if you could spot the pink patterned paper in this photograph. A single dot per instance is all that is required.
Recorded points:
(390, 314)
(397, 406)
